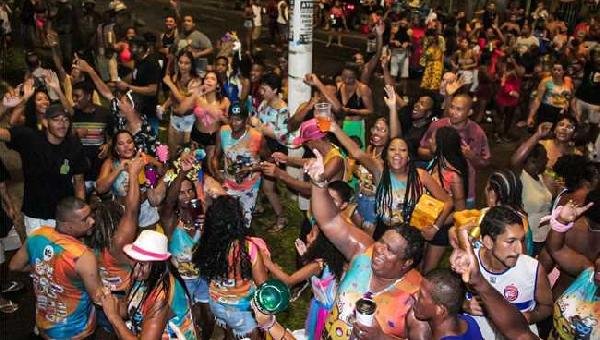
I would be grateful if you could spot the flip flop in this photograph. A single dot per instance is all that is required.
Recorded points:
(13, 286)
(9, 307)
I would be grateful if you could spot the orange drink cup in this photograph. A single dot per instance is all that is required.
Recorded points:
(323, 116)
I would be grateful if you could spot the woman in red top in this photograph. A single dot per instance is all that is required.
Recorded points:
(337, 20)
(507, 96)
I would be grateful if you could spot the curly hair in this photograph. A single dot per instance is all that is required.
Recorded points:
(323, 249)
(576, 170)
(225, 234)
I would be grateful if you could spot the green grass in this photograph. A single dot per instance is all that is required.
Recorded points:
(283, 252)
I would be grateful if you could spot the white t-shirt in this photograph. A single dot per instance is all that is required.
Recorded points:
(257, 11)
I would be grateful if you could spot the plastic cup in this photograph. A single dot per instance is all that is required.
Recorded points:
(323, 116)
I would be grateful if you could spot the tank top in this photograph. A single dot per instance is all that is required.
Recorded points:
(235, 291)
(240, 153)
(393, 303)
(537, 202)
(115, 275)
(181, 247)
(354, 101)
(180, 324)
(517, 286)
(64, 309)
(558, 96)
(472, 333)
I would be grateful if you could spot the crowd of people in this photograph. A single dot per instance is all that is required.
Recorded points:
(133, 233)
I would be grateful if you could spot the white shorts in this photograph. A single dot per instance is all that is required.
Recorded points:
(32, 223)
(183, 123)
(399, 63)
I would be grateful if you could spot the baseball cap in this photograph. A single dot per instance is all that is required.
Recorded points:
(236, 110)
(56, 110)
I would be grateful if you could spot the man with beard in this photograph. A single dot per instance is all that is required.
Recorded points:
(518, 277)
(53, 165)
(64, 271)
(144, 80)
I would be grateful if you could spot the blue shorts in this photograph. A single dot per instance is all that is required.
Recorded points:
(198, 290)
(183, 123)
(366, 208)
(241, 322)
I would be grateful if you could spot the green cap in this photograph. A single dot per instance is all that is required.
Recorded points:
(272, 297)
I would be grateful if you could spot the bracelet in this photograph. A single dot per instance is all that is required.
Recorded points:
(556, 225)
(269, 325)
(320, 184)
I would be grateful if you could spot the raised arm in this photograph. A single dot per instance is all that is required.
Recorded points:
(535, 105)
(391, 101)
(348, 239)
(126, 230)
(100, 85)
(367, 72)
(517, 160)
(168, 218)
(507, 319)
(355, 152)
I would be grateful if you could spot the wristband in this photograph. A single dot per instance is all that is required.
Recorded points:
(556, 225)
(321, 184)
(266, 327)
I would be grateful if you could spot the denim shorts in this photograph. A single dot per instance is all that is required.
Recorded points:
(366, 208)
(198, 290)
(241, 322)
(183, 123)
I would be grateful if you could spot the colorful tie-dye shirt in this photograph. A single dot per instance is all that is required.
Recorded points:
(241, 153)
(393, 303)
(64, 309)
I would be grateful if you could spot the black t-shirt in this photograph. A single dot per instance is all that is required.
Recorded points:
(47, 169)
(98, 125)
(412, 134)
(589, 89)
(146, 72)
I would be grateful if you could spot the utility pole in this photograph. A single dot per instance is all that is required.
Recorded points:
(299, 63)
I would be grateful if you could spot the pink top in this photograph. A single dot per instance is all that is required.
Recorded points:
(206, 117)
(503, 97)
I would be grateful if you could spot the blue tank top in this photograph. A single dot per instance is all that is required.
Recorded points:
(472, 332)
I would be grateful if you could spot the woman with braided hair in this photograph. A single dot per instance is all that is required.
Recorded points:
(231, 262)
(449, 168)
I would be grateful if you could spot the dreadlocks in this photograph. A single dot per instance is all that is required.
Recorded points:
(107, 215)
(222, 249)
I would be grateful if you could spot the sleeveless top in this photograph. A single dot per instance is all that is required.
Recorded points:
(354, 101)
(537, 202)
(472, 333)
(115, 275)
(180, 324)
(516, 284)
(64, 309)
(181, 247)
(240, 153)
(236, 291)
(558, 96)
(324, 288)
(393, 303)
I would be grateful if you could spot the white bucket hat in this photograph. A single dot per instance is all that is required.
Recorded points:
(149, 246)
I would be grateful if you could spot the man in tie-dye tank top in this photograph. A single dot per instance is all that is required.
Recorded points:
(64, 271)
